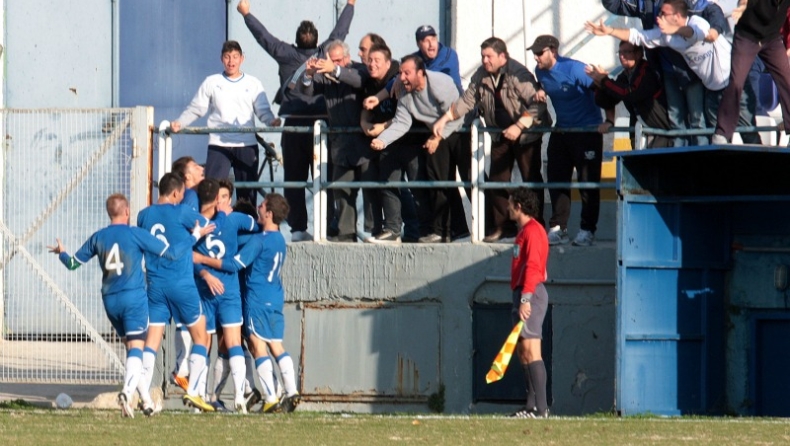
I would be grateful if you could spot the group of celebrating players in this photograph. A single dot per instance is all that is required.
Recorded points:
(209, 268)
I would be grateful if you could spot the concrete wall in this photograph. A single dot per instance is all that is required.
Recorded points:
(387, 325)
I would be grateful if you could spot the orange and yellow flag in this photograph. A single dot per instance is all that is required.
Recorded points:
(503, 357)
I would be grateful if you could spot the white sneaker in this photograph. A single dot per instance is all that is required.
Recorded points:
(301, 236)
(584, 238)
(241, 405)
(558, 236)
(717, 139)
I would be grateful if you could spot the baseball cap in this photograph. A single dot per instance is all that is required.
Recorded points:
(424, 31)
(544, 41)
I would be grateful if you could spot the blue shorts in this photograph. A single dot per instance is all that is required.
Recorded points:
(127, 311)
(179, 300)
(265, 322)
(223, 310)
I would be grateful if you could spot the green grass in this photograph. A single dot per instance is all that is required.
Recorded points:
(88, 427)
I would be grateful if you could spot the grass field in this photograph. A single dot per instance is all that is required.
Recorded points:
(34, 426)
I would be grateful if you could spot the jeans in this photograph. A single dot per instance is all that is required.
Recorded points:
(685, 108)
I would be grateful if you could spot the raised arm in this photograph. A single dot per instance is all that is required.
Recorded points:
(276, 48)
(340, 31)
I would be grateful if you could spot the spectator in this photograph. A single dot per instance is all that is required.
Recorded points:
(367, 41)
(436, 56)
(402, 156)
(685, 34)
(296, 108)
(231, 99)
(574, 107)
(351, 156)
(427, 95)
(504, 91)
(681, 85)
(756, 34)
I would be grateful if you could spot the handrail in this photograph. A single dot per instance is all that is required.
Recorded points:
(321, 183)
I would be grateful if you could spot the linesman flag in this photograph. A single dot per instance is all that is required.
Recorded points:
(502, 359)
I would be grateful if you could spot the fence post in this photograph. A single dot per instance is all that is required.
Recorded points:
(319, 173)
(142, 149)
(639, 136)
(474, 178)
(165, 150)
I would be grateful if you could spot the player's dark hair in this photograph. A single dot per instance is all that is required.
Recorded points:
(207, 191)
(244, 206)
(527, 200)
(381, 48)
(180, 166)
(170, 182)
(227, 184)
(680, 6)
(419, 64)
(495, 43)
(278, 206)
(306, 35)
(115, 204)
(231, 45)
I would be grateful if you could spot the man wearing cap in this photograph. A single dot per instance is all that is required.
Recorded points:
(436, 56)
(571, 91)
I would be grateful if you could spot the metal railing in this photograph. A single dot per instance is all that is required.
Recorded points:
(477, 183)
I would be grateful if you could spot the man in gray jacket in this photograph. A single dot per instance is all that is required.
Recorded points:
(427, 95)
(340, 82)
(504, 90)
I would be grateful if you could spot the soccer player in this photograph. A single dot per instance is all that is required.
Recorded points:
(192, 173)
(530, 300)
(263, 257)
(172, 290)
(120, 249)
(219, 290)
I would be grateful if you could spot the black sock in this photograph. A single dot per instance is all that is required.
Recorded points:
(530, 387)
(537, 370)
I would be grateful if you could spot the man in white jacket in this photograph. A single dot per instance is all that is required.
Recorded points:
(232, 99)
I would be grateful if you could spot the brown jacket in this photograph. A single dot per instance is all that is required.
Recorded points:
(518, 96)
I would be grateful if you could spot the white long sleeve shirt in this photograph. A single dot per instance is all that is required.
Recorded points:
(710, 61)
(230, 103)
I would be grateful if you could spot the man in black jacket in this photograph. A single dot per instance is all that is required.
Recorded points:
(638, 86)
(297, 108)
(340, 82)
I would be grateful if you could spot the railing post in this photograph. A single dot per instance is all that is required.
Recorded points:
(639, 143)
(475, 177)
(320, 156)
(165, 149)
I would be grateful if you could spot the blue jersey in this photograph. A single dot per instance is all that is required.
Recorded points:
(570, 90)
(173, 225)
(263, 257)
(191, 200)
(120, 249)
(223, 242)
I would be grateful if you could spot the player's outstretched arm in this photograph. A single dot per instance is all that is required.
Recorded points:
(68, 261)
